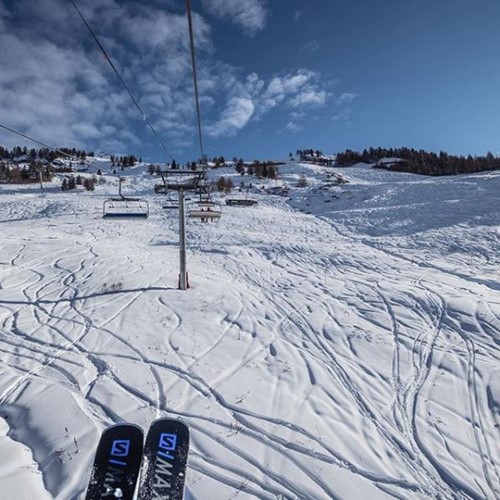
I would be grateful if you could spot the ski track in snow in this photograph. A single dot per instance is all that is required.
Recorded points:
(339, 344)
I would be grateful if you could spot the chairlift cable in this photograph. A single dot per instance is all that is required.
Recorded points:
(195, 76)
(122, 81)
(35, 141)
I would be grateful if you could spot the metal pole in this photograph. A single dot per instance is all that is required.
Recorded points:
(183, 283)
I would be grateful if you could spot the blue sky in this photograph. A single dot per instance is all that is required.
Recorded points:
(275, 76)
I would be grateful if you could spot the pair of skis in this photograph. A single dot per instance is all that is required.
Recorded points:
(122, 455)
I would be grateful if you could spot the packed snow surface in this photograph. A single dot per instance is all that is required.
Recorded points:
(340, 342)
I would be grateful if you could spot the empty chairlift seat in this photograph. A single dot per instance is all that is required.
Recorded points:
(126, 208)
(242, 202)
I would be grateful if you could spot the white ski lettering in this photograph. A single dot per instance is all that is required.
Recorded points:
(159, 496)
(163, 469)
(112, 476)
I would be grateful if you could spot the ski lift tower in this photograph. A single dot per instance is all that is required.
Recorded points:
(183, 275)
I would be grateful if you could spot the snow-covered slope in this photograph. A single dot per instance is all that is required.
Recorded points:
(340, 343)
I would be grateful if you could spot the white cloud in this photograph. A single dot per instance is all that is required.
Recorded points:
(302, 89)
(346, 98)
(310, 47)
(291, 83)
(251, 15)
(236, 115)
(311, 96)
(293, 127)
(297, 115)
(297, 16)
(342, 115)
(254, 85)
(87, 130)
(156, 29)
(249, 100)
(51, 92)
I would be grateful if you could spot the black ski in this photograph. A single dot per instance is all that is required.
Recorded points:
(117, 463)
(164, 463)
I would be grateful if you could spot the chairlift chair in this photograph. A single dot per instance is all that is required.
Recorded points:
(125, 207)
(205, 210)
(177, 179)
(171, 201)
(242, 202)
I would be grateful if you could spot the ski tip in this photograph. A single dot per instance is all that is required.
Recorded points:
(170, 421)
(127, 425)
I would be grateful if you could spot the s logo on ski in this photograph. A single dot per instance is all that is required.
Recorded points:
(168, 442)
(120, 448)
